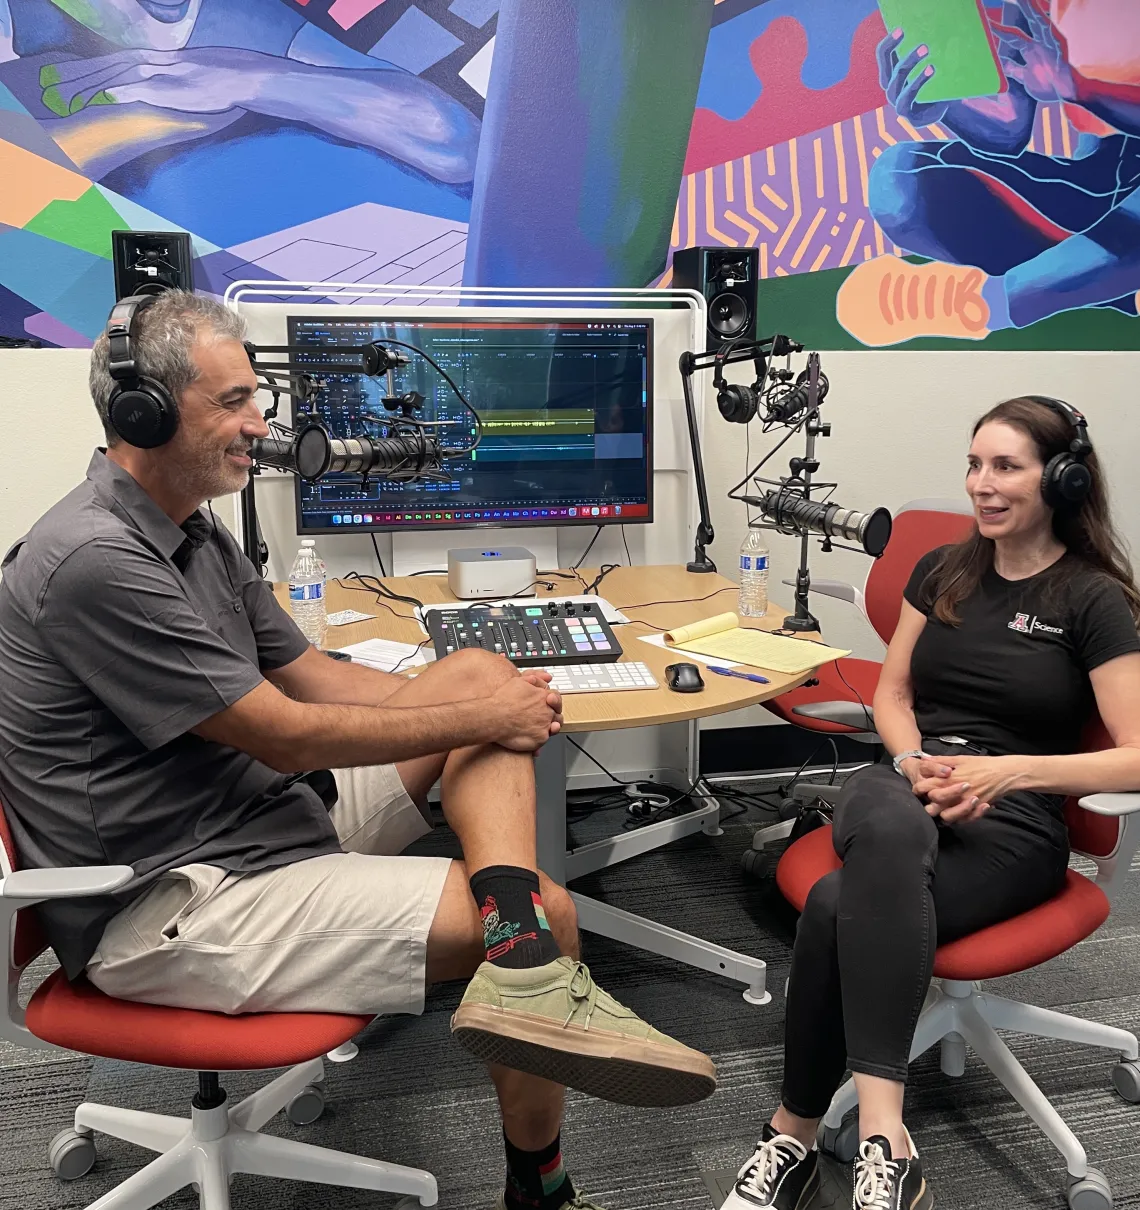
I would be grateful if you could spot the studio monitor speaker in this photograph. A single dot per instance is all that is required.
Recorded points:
(148, 262)
(727, 279)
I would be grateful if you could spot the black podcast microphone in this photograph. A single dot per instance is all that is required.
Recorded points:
(314, 453)
(790, 510)
(793, 402)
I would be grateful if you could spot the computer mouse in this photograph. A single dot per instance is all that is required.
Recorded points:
(684, 678)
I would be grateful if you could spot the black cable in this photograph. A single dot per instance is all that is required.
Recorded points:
(868, 717)
(376, 548)
(767, 457)
(681, 600)
(603, 571)
(628, 559)
(589, 547)
(451, 383)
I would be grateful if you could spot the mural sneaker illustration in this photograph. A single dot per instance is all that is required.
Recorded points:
(888, 300)
(554, 1021)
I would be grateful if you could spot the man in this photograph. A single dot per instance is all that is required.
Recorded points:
(159, 709)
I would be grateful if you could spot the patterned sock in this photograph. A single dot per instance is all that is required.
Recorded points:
(536, 1180)
(515, 930)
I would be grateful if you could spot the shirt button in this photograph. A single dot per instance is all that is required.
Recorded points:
(237, 608)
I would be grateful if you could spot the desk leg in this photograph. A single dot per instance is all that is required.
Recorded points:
(597, 917)
(600, 918)
(550, 787)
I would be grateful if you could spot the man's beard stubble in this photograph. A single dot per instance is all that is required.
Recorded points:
(201, 470)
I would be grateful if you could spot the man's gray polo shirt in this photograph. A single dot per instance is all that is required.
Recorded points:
(119, 632)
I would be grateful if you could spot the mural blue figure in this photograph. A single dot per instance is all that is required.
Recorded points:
(204, 110)
(1014, 236)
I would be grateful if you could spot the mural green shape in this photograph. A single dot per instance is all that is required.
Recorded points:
(86, 223)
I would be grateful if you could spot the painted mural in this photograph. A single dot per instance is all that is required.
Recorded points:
(914, 173)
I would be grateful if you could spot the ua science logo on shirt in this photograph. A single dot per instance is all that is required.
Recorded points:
(1024, 624)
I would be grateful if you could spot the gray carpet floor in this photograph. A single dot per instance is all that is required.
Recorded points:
(413, 1097)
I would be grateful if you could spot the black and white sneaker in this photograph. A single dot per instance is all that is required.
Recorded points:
(883, 1183)
(782, 1174)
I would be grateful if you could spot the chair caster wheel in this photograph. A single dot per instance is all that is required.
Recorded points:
(756, 864)
(841, 1142)
(1126, 1080)
(71, 1154)
(788, 808)
(306, 1106)
(1090, 1192)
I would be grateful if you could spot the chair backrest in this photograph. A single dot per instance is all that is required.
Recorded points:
(27, 941)
(919, 527)
(1095, 836)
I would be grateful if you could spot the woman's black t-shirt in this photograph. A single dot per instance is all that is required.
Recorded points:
(1012, 677)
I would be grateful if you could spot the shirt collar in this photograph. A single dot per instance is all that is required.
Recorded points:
(141, 508)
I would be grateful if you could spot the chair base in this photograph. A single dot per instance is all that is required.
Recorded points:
(959, 1014)
(213, 1144)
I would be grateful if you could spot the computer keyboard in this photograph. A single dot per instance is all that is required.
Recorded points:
(600, 678)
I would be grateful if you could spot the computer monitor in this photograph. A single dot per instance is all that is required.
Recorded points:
(567, 412)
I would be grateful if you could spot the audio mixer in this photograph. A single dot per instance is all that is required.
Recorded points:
(528, 635)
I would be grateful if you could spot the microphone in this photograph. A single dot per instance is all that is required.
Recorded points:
(790, 510)
(313, 453)
(793, 402)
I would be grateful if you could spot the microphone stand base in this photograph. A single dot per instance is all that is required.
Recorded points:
(701, 563)
(794, 622)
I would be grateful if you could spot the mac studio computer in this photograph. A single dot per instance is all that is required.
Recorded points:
(566, 406)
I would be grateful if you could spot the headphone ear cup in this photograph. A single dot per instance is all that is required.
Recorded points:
(1066, 481)
(737, 403)
(144, 415)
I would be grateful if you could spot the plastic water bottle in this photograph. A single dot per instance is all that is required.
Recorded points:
(753, 599)
(307, 593)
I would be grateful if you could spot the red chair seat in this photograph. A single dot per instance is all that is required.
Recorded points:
(1018, 944)
(78, 1016)
(862, 675)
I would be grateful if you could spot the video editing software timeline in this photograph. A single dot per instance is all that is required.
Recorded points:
(566, 407)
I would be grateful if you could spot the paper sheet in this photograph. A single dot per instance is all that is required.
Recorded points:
(386, 654)
(724, 638)
(658, 640)
(612, 614)
(344, 617)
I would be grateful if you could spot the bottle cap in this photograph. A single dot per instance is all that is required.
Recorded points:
(308, 542)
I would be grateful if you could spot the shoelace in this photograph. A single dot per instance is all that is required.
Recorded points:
(759, 1173)
(581, 1202)
(874, 1178)
(582, 989)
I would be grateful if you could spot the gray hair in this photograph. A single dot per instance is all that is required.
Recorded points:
(165, 332)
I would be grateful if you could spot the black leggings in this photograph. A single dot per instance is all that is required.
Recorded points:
(864, 949)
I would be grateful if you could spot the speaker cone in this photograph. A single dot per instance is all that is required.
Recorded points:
(728, 315)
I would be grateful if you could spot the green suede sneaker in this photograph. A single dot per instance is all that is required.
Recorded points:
(555, 1022)
(578, 1202)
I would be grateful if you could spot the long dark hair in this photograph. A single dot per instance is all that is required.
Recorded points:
(1086, 529)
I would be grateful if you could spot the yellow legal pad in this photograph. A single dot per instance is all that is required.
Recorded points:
(723, 637)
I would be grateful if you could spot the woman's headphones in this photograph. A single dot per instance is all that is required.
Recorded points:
(141, 411)
(1067, 480)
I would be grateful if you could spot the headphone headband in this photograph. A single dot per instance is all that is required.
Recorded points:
(122, 332)
(1067, 480)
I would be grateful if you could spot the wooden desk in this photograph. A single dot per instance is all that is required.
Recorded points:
(683, 597)
(628, 589)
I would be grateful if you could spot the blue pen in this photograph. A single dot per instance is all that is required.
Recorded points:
(744, 676)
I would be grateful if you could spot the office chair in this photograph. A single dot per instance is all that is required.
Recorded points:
(217, 1139)
(837, 701)
(960, 1013)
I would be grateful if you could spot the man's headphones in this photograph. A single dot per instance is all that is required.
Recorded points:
(1067, 480)
(141, 410)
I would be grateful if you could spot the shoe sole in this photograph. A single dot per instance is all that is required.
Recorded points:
(628, 1071)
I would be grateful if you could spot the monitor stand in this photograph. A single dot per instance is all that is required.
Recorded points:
(427, 550)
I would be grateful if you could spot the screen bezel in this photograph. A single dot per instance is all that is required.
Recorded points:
(521, 523)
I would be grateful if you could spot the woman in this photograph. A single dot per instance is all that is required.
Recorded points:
(1006, 644)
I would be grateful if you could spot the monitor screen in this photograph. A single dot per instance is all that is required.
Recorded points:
(566, 407)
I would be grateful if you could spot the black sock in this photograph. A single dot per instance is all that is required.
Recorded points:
(536, 1180)
(515, 931)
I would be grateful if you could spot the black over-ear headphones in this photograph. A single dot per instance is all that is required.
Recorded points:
(1067, 480)
(738, 403)
(141, 410)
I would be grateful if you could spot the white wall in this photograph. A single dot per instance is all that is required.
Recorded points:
(901, 424)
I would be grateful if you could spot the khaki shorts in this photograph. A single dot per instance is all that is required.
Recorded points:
(346, 932)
